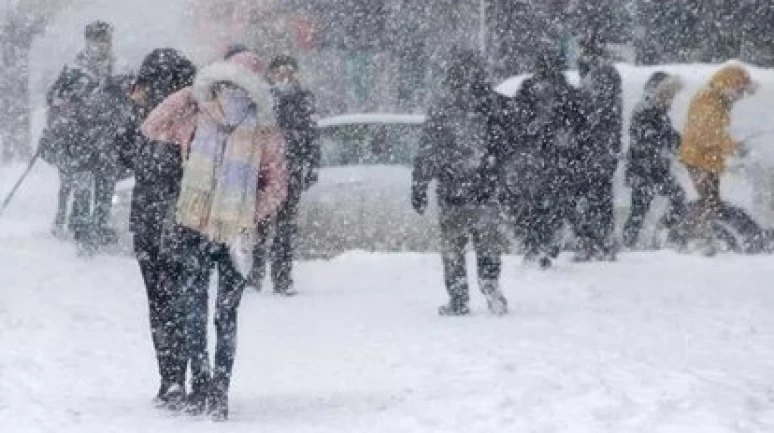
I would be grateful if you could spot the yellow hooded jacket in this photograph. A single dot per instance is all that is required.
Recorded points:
(705, 141)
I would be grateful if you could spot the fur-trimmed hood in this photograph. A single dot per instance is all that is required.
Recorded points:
(242, 77)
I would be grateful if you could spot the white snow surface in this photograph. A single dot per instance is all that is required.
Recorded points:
(656, 343)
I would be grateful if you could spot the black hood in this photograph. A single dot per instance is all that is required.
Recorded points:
(165, 71)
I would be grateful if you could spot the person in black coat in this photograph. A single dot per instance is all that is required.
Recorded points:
(295, 109)
(653, 145)
(90, 71)
(85, 133)
(539, 168)
(456, 150)
(602, 87)
(157, 171)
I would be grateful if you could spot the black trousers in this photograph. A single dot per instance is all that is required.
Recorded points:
(63, 200)
(92, 202)
(539, 223)
(201, 258)
(463, 224)
(595, 221)
(282, 249)
(161, 275)
(643, 193)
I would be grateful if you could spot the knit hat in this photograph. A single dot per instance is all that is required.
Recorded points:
(98, 31)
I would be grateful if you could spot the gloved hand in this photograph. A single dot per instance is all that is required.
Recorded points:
(743, 151)
(419, 199)
(312, 176)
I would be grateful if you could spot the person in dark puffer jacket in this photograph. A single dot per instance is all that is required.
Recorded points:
(456, 149)
(602, 88)
(157, 171)
(653, 145)
(540, 169)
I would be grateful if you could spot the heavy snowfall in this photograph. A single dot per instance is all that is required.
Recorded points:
(386, 216)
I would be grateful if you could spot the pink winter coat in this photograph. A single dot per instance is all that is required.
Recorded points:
(174, 121)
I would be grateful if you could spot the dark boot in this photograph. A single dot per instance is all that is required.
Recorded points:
(495, 299)
(171, 397)
(217, 404)
(454, 308)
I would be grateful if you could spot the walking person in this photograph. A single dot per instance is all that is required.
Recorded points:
(294, 107)
(540, 165)
(234, 178)
(707, 143)
(456, 151)
(602, 87)
(653, 145)
(157, 170)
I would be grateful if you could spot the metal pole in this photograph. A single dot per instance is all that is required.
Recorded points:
(482, 4)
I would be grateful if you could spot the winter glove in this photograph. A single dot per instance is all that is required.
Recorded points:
(419, 199)
(743, 151)
(312, 176)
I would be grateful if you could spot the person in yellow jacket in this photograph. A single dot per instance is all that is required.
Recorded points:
(706, 142)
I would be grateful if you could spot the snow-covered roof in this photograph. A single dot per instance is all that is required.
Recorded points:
(370, 118)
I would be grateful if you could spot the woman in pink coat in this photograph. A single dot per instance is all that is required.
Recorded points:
(234, 177)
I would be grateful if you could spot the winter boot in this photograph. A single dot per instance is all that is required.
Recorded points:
(217, 404)
(170, 396)
(285, 290)
(196, 402)
(495, 299)
(454, 309)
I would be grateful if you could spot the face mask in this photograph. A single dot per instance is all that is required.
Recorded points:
(99, 49)
(284, 87)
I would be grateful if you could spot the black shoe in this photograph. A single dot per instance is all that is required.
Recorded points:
(288, 291)
(170, 396)
(454, 309)
(544, 263)
(217, 405)
(106, 236)
(196, 403)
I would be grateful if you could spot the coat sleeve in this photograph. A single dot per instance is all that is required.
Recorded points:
(172, 119)
(426, 161)
(311, 133)
(273, 181)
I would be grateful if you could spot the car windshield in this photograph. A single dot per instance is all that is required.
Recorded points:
(364, 144)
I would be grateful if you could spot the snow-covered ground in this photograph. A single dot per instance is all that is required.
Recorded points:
(658, 342)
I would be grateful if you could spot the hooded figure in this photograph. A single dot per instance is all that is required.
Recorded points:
(234, 178)
(539, 169)
(157, 170)
(706, 142)
(652, 147)
(601, 86)
(457, 150)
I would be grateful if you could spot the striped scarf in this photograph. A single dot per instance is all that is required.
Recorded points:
(220, 181)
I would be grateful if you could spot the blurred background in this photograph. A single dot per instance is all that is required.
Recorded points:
(368, 55)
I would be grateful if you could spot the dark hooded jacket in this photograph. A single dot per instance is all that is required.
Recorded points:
(459, 138)
(156, 166)
(548, 140)
(653, 141)
(84, 132)
(295, 112)
(602, 87)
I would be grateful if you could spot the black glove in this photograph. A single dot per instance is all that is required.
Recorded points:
(311, 178)
(419, 199)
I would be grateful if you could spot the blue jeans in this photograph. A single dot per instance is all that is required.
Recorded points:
(201, 257)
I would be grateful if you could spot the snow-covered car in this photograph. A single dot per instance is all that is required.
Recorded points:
(362, 198)
(361, 201)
